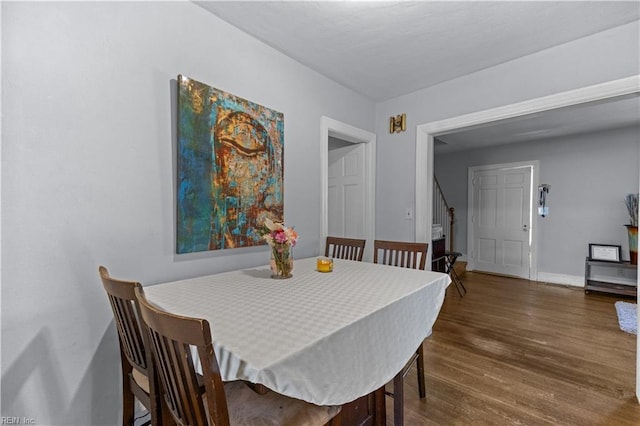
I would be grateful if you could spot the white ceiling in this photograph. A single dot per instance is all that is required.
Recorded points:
(387, 49)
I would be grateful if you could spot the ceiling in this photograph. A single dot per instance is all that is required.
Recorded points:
(386, 49)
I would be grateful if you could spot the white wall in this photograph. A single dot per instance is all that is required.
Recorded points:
(88, 178)
(589, 174)
(602, 57)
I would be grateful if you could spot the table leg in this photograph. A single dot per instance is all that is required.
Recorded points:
(398, 400)
(380, 410)
(369, 410)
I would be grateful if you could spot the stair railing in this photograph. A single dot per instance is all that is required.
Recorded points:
(443, 214)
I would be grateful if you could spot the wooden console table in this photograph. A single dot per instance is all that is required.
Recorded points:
(610, 283)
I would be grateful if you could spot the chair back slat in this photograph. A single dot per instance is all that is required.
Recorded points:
(399, 253)
(344, 248)
(123, 304)
(182, 392)
(172, 337)
(129, 330)
(156, 345)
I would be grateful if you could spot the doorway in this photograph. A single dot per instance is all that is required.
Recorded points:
(426, 132)
(346, 189)
(500, 235)
(355, 146)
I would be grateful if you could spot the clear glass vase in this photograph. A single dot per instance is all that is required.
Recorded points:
(281, 262)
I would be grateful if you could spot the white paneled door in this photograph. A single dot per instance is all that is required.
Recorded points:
(501, 219)
(346, 173)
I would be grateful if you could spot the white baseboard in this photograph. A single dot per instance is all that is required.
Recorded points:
(561, 279)
(572, 280)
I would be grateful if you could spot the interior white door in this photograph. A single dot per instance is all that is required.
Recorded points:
(346, 208)
(501, 220)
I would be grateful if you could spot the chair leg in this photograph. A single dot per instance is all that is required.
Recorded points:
(128, 400)
(158, 412)
(398, 399)
(458, 283)
(398, 387)
(420, 367)
(167, 418)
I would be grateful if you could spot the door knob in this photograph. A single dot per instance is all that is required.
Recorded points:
(524, 228)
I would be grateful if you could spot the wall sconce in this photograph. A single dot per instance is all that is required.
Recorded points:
(398, 123)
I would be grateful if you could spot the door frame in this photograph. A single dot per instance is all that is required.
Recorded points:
(425, 134)
(533, 227)
(349, 133)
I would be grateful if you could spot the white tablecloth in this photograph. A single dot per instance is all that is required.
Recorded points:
(326, 338)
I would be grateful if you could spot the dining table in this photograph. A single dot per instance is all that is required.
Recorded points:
(329, 338)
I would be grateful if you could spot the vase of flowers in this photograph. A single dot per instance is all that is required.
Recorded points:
(631, 201)
(281, 239)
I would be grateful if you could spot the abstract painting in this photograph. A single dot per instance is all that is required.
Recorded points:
(230, 168)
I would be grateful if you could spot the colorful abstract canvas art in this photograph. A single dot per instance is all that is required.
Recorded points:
(230, 168)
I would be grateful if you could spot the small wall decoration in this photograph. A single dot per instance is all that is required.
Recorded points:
(230, 168)
(398, 123)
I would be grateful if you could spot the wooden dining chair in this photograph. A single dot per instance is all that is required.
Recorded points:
(344, 248)
(406, 255)
(203, 399)
(400, 253)
(138, 378)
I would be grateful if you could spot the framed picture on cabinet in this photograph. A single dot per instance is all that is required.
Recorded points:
(604, 252)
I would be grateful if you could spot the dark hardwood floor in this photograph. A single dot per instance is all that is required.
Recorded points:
(517, 352)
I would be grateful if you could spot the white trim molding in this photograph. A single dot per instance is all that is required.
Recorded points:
(597, 92)
(334, 128)
(570, 280)
(425, 134)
